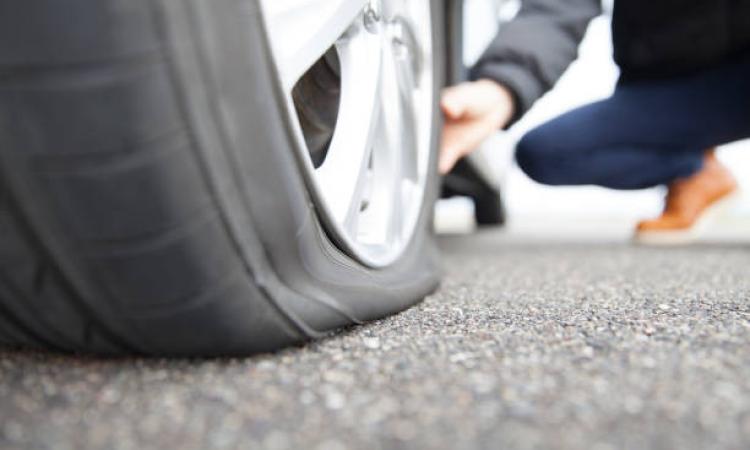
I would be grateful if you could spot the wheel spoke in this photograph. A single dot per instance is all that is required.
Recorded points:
(342, 176)
(394, 163)
(375, 225)
(403, 54)
(302, 30)
(401, 129)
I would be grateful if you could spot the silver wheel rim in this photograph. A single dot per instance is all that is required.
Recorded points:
(370, 186)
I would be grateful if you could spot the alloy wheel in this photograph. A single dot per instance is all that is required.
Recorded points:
(358, 83)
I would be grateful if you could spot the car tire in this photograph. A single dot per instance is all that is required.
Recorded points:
(151, 202)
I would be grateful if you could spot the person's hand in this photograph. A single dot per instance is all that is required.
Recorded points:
(473, 111)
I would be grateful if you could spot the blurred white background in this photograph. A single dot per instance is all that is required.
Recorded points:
(531, 205)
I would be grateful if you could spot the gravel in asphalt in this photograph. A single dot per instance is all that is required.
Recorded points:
(526, 345)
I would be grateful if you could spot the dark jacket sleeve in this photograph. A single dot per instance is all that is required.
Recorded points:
(531, 52)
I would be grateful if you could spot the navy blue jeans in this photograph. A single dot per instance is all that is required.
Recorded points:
(646, 134)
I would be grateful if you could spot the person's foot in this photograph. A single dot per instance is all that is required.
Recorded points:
(690, 203)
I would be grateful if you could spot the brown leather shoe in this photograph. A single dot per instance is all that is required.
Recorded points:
(690, 202)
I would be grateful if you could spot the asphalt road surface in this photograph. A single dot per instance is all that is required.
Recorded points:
(528, 344)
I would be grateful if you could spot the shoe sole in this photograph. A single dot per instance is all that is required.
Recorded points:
(689, 235)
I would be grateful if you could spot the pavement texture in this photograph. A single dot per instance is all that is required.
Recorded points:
(526, 345)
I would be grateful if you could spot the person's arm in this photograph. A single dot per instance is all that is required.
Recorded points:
(523, 62)
(531, 52)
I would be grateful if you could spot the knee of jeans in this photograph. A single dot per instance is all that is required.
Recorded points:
(534, 157)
